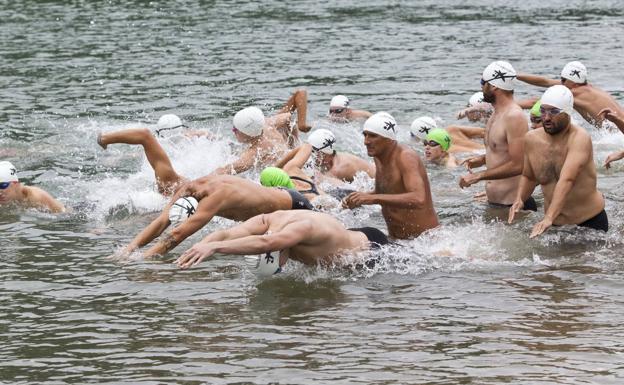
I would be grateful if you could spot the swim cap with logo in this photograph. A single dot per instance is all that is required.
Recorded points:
(535, 110)
(322, 140)
(476, 98)
(249, 121)
(275, 177)
(441, 137)
(268, 264)
(382, 124)
(421, 126)
(182, 209)
(8, 172)
(559, 97)
(168, 122)
(339, 101)
(500, 74)
(575, 71)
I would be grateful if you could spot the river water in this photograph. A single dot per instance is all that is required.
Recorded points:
(474, 302)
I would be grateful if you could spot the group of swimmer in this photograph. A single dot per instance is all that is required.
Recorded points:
(281, 219)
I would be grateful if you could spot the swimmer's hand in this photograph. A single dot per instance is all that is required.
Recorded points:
(540, 227)
(357, 199)
(195, 255)
(609, 114)
(612, 158)
(473, 162)
(514, 209)
(469, 179)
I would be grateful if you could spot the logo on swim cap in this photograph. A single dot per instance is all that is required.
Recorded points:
(476, 98)
(267, 265)
(441, 137)
(322, 140)
(182, 209)
(500, 74)
(8, 172)
(382, 124)
(575, 71)
(422, 125)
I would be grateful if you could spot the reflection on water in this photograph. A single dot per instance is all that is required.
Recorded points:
(473, 302)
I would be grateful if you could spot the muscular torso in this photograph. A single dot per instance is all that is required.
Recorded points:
(546, 159)
(500, 191)
(404, 222)
(589, 100)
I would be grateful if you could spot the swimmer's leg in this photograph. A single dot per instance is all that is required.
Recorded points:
(166, 177)
(298, 102)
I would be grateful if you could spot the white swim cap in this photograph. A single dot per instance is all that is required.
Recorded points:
(575, 71)
(8, 172)
(182, 209)
(339, 101)
(559, 97)
(268, 264)
(383, 124)
(421, 126)
(476, 98)
(500, 74)
(322, 140)
(169, 121)
(249, 121)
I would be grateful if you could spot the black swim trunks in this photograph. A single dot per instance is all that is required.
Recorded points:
(299, 202)
(376, 239)
(529, 204)
(311, 190)
(598, 222)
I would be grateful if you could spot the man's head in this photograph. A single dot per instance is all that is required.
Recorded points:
(421, 126)
(339, 107)
(248, 124)
(535, 115)
(437, 143)
(8, 182)
(379, 133)
(275, 177)
(322, 142)
(476, 115)
(574, 74)
(556, 109)
(168, 122)
(497, 78)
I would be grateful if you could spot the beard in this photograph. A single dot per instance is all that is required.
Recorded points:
(554, 128)
(489, 97)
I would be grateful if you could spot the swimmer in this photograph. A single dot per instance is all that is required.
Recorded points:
(401, 182)
(504, 139)
(477, 110)
(619, 122)
(535, 116)
(589, 100)
(311, 238)
(559, 157)
(224, 196)
(462, 137)
(12, 192)
(321, 145)
(339, 110)
(277, 177)
(265, 144)
(298, 102)
(437, 143)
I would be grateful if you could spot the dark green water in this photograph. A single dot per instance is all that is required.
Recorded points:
(503, 309)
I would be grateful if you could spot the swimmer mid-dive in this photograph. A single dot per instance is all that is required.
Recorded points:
(225, 196)
(559, 157)
(309, 237)
(339, 110)
(12, 192)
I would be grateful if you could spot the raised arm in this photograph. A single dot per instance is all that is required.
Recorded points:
(300, 158)
(536, 80)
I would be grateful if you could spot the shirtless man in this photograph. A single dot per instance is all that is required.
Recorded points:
(266, 144)
(12, 192)
(309, 237)
(218, 195)
(618, 120)
(437, 143)
(504, 139)
(340, 111)
(401, 182)
(462, 137)
(559, 157)
(588, 99)
(340, 165)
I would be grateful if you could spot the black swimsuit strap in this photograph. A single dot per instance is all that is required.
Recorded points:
(312, 190)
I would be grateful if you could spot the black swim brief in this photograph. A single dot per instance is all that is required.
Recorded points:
(299, 202)
(529, 204)
(376, 239)
(598, 222)
(311, 190)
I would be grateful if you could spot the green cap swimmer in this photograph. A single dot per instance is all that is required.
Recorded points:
(535, 110)
(275, 177)
(441, 137)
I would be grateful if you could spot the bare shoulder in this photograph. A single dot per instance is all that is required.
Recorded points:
(580, 137)
(408, 157)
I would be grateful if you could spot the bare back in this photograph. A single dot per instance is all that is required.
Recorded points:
(347, 165)
(590, 100)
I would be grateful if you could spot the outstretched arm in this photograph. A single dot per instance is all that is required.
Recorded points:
(40, 198)
(607, 113)
(536, 80)
(245, 161)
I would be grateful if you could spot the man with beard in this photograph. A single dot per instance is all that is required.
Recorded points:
(401, 182)
(504, 139)
(559, 157)
(589, 100)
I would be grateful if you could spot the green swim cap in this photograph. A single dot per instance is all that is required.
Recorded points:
(441, 137)
(535, 110)
(275, 177)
